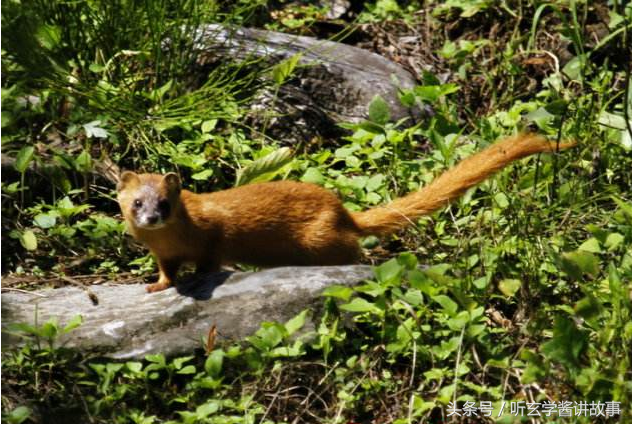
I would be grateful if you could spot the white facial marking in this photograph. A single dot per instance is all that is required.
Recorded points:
(148, 215)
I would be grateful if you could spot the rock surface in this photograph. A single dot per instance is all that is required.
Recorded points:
(130, 323)
(335, 82)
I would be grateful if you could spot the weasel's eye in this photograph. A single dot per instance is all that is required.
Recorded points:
(138, 203)
(164, 207)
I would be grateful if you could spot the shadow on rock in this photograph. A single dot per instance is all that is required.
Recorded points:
(202, 286)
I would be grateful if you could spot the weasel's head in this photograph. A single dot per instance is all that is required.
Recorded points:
(148, 201)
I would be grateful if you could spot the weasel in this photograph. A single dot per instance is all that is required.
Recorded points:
(285, 222)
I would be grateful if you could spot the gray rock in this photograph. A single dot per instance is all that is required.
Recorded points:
(335, 82)
(130, 323)
(340, 78)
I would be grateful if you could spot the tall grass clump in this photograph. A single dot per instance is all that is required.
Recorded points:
(127, 64)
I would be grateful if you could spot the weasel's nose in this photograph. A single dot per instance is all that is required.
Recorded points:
(153, 219)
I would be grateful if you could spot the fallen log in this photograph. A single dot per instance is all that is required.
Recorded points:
(335, 82)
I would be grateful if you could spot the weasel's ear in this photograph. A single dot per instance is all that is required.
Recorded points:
(172, 182)
(126, 178)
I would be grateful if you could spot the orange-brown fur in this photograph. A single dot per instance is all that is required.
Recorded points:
(291, 223)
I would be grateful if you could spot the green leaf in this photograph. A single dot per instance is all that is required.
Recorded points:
(389, 272)
(540, 116)
(134, 367)
(407, 98)
(96, 68)
(432, 93)
(314, 176)
(265, 165)
(66, 208)
(615, 121)
(24, 157)
(6, 118)
(371, 127)
(445, 394)
(83, 162)
(21, 327)
(202, 175)
(557, 107)
(28, 240)
(157, 94)
(156, 359)
(567, 344)
(284, 69)
(580, 262)
(178, 362)
(614, 19)
(49, 36)
(361, 305)
(435, 374)
(268, 336)
(509, 286)
(357, 182)
(482, 282)
(573, 67)
(17, 416)
(624, 206)
(373, 198)
(459, 321)
(372, 288)
(613, 241)
(344, 152)
(379, 111)
(446, 347)
(288, 351)
(407, 260)
(296, 323)
(612, 120)
(535, 369)
(208, 126)
(189, 369)
(49, 329)
(213, 363)
(598, 232)
(420, 406)
(206, 409)
(414, 297)
(590, 309)
(341, 292)
(45, 220)
(93, 130)
(375, 182)
(590, 245)
(626, 139)
(501, 200)
(75, 322)
(449, 305)
(113, 368)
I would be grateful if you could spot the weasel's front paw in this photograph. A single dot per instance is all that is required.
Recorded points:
(156, 287)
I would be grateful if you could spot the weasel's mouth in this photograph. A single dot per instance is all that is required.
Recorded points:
(150, 226)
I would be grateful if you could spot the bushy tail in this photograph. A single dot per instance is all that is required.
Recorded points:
(451, 184)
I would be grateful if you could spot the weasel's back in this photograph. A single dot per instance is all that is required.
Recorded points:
(283, 223)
